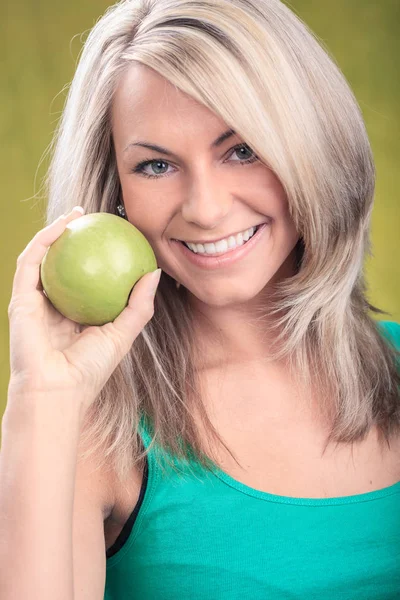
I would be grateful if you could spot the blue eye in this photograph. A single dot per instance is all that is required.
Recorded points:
(244, 148)
(157, 164)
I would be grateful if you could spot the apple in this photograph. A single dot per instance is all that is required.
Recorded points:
(90, 270)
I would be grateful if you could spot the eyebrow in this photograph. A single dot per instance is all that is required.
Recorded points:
(218, 142)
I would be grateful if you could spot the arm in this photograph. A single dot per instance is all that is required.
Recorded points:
(48, 542)
(37, 476)
(52, 509)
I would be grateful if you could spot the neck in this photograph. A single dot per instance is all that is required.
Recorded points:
(237, 334)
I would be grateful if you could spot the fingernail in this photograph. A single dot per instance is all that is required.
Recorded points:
(155, 278)
(79, 208)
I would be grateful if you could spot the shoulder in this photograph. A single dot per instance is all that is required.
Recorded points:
(96, 477)
(126, 495)
(96, 480)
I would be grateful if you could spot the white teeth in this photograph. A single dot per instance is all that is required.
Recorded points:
(223, 245)
(209, 248)
(231, 242)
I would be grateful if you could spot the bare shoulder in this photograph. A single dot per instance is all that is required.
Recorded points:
(126, 495)
(96, 479)
(95, 499)
(121, 503)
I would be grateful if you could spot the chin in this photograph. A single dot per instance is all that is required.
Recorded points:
(221, 296)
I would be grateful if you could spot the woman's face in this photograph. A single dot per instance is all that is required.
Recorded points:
(198, 190)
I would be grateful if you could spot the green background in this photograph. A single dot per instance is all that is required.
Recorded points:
(39, 46)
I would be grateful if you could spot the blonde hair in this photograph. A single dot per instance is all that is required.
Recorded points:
(256, 65)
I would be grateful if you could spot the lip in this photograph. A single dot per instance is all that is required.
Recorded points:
(211, 262)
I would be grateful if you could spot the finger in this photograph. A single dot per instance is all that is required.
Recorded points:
(99, 350)
(27, 275)
(140, 309)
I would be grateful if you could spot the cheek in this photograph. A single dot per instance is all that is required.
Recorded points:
(271, 196)
(146, 208)
(280, 211)
(143, 213)
(280, 203)
(285, 233)
(291, 234)
(139, 217)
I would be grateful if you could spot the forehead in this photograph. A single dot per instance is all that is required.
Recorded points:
(146, 102)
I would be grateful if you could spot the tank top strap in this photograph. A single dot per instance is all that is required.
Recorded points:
(161, 457)
(157, 456)
(145, 430)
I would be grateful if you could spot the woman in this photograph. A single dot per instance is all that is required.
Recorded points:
(244, 440)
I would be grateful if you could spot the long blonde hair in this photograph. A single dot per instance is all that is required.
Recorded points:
(256, 65)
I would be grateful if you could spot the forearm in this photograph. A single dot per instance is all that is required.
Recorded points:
(37, 479)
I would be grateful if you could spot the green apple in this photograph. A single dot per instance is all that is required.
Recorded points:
(90, 270)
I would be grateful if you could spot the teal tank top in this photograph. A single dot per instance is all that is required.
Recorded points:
(211, 537)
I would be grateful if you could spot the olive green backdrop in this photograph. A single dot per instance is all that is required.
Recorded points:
(39, 44)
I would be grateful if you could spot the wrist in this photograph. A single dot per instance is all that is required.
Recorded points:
(29, 408)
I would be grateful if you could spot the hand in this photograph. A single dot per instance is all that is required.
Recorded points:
(50, 353)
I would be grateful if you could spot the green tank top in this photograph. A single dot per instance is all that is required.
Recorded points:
(211, 537)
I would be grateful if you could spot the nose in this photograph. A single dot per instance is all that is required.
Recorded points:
(207, 202)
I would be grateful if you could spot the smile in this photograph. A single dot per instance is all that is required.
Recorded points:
(207, 259)
(233, 241)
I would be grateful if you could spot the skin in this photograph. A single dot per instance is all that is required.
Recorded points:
(201, 194)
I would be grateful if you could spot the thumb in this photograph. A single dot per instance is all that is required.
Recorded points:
(99, 350)
(140, 308)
